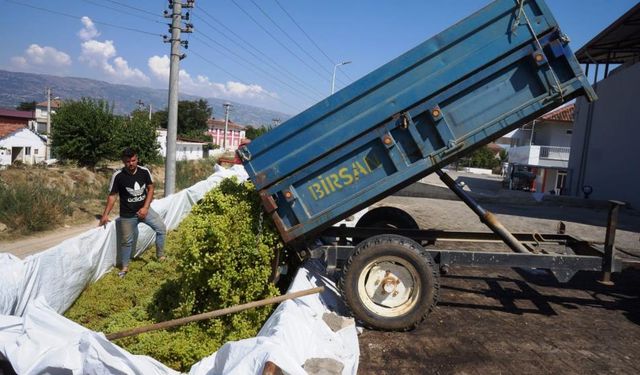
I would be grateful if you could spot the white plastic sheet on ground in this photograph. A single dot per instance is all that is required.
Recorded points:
(35, 339)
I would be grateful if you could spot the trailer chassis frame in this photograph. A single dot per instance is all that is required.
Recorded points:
(529, 248)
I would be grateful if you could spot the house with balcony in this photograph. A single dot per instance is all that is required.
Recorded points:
(42, 115)
(229, 141)
(539, 152)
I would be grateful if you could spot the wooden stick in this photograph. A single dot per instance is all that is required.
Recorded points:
(212, 314)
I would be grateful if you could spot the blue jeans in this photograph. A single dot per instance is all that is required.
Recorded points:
(129, 232)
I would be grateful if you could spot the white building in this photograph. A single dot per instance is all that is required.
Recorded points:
(541, 148)
(42, 114)
(185, 150)
(18, 143)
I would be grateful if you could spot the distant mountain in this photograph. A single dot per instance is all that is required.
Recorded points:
(16, 87)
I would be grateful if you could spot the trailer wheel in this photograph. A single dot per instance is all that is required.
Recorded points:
(385, 217)
(390, 283)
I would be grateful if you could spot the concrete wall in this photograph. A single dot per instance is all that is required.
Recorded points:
(604, 152)
(184, 150)
(552, 134)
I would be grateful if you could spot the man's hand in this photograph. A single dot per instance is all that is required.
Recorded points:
(103, 220)
(142, 213)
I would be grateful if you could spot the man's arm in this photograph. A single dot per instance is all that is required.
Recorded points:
(142, 213)
(111, 200)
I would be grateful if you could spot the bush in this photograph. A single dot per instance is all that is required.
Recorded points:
(188, 172)
(27, 206)
(225, 249)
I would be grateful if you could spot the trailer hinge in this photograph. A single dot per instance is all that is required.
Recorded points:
(244, 153)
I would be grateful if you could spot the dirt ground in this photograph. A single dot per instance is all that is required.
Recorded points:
(504, 321)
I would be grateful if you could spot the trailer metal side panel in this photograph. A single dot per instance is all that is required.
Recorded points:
(459, 90)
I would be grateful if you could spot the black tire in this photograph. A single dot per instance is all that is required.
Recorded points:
(410, 279)
(385, 217)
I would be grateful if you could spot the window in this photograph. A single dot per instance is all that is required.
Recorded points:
(569, 131)
(27, 150)
(35, 151)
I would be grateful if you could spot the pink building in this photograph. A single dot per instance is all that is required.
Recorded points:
(235, 133)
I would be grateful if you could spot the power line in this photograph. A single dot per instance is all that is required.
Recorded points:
(279, 42)
(239, 80)
(269, 61)
(214, 64)
(124, 12)
(132, 7)
(290, 38)
(253, 65)
(309, 37)
(79, 18)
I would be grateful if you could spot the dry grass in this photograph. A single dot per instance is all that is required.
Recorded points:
(34, 199)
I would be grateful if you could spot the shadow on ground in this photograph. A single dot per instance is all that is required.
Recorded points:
(542, 292)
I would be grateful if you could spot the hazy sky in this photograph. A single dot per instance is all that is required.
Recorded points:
(277, 54)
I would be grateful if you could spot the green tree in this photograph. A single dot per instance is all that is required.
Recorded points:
(139, 133)
(192, 116)
(26, 106)
(84, 131)
(253, 133)
(483, 158)
(196, 136)
(503, 156)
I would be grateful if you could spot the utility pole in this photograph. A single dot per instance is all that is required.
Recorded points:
(141, 107)
(172, 126)
(226, 125)
(48, 123)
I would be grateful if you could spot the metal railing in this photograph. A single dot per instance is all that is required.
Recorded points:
(554, 153)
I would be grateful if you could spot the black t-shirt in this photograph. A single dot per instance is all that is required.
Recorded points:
(132, 189)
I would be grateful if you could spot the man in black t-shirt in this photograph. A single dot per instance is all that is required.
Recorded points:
(134, 185)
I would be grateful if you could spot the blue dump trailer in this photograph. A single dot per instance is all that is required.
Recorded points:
(490, 73)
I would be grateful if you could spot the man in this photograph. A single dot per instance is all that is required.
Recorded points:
(134, 185)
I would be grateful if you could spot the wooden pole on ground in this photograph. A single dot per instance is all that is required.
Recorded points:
(212, 314)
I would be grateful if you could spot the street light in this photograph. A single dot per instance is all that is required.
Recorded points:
(333, 80)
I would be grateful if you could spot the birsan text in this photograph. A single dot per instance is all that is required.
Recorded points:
(342, 176)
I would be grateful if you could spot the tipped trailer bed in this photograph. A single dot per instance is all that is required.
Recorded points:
(488, 74)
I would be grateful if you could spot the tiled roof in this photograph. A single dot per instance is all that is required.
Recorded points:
(4, 112)
(6, 129)
(560, 114)
(55, 103)
(219, 124)
(495, 148)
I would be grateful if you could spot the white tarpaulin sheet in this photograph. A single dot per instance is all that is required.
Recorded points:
(44, 342)
(35, 339)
